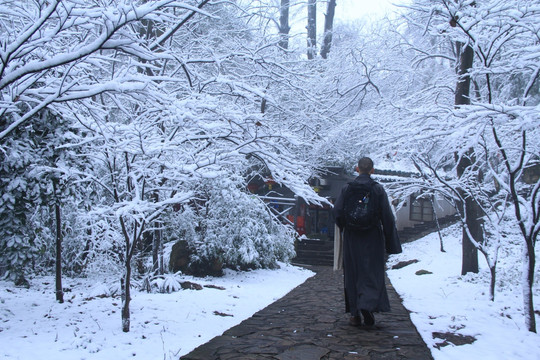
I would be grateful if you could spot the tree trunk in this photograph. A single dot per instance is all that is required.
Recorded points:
(284, 27)
(157, 244)
(471, 210)
(493, 281)
(441, 241)
(328, 28)
(312, 29)
(125, 281)
(161, 262)
(125, 284)
(464, 82)
(157, 250)
(469, 251)
(59, 289)
(530, 263)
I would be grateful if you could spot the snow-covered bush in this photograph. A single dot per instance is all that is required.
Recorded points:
(235, 228)
(21, 233)
(167, 283)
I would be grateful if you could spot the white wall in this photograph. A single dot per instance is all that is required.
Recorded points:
(442, 208)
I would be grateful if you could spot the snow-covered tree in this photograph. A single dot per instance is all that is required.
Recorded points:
(22, 236)
(503, 116)
(401, 104)
(493, 133)
(51, 51)
(163, 98)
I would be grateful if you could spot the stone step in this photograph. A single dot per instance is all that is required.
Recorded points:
(311, 252)
(303, 247)
(314, 260)
(314, 252)
(315, 242)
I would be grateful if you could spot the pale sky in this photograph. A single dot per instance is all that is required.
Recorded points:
(357, 9)
(346, 10)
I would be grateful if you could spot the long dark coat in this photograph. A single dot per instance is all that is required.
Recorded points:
(364, 254)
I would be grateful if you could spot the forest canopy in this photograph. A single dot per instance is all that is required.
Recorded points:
(126, 126)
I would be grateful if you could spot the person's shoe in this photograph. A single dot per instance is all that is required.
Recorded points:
(369, 319)
(355, 320)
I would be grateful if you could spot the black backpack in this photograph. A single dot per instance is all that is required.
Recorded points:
(360, 206)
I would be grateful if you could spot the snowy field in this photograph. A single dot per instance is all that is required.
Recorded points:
(166, 326)
(445, 302)
(163, 326)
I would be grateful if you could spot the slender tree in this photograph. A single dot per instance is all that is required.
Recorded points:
(465, 163)
(311, 29)
(328, 28)
(58, 220)
(284, 27)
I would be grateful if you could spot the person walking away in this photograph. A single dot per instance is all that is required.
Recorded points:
(362, 211)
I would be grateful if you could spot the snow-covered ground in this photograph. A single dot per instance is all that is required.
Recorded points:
(446, 302)
(165, 326)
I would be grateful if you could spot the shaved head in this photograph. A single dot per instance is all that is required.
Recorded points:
(365, 165)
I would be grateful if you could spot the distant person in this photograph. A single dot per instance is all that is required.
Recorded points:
(362, 211)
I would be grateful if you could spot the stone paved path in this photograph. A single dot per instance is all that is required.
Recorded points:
(309, 323)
